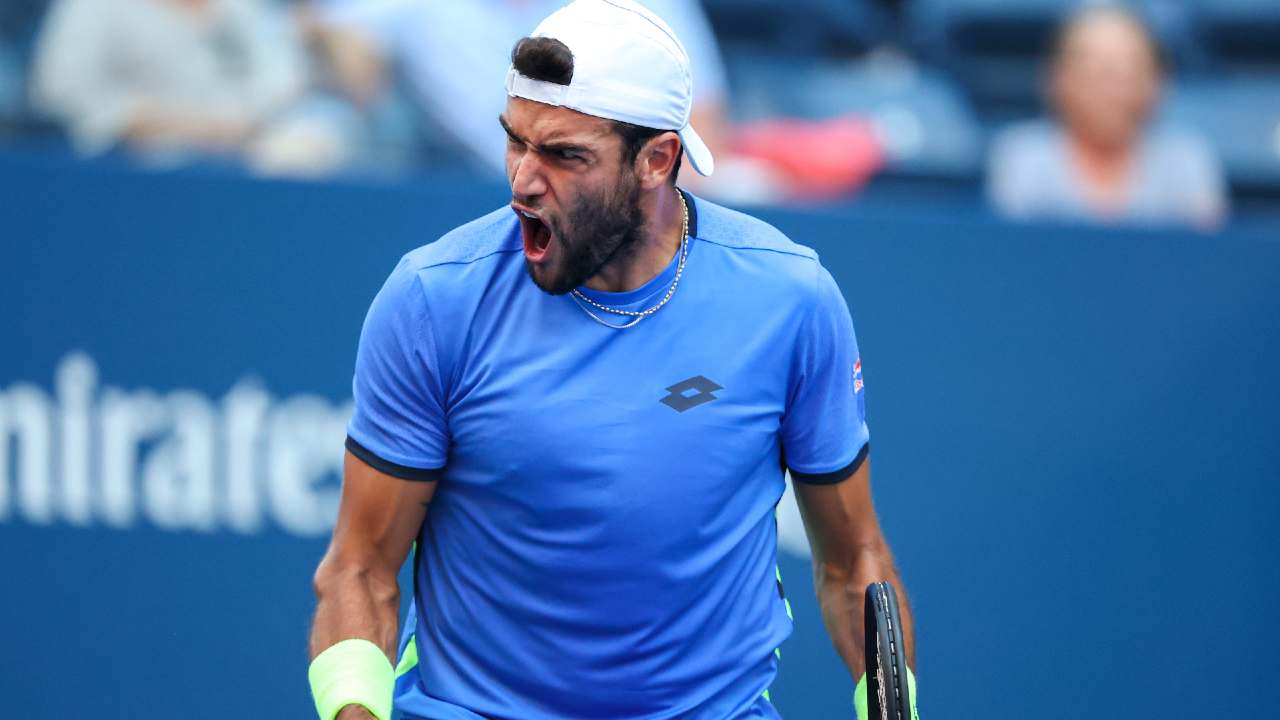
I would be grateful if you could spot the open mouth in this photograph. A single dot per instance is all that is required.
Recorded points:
(536, 234)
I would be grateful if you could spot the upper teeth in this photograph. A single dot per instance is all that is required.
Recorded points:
(529, 215)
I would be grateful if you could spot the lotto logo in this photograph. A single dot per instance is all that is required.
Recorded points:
(857, 375)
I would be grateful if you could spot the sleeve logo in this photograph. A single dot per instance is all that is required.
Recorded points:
(857, 375)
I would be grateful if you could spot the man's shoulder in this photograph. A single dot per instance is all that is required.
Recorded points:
(763, 255)
(735, 230)
(458, 265)
(484, 237)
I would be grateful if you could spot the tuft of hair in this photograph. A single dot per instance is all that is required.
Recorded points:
(549, 60)
(543, 58)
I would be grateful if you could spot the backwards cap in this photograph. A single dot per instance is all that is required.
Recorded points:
(627, 65)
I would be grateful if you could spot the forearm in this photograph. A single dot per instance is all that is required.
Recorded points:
(152, 124)
(841, 589)
(355, 601)
(358, 595)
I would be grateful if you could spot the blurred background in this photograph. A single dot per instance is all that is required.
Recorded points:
(1057, 225)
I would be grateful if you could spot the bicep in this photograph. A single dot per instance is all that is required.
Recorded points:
(840, 518)
(378, 518)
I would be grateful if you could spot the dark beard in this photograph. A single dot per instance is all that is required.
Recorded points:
(598, 230)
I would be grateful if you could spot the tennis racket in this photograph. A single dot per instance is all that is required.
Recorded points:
(888, 696)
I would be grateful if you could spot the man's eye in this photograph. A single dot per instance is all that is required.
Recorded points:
(565, 155)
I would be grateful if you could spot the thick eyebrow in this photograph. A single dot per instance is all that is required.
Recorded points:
(510, 133)
(550, 147)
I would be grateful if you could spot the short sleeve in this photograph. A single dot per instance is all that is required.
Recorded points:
(399, 426)
(824, 428)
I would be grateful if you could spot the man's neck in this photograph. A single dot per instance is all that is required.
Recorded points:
(659, 242)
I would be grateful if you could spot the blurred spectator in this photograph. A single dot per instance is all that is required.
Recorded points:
(10, 82)
(1099, 159)
(454, 58)
(18, 19)
(169, 79)
(351, 66)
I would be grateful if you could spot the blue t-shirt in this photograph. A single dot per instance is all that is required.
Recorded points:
(602, 542)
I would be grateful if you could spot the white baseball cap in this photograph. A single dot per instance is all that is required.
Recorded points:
(627, 65)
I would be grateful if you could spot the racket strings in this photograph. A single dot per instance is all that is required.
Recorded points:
(884, 704)
(882, 599)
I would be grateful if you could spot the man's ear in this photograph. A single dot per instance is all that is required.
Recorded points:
(657, 159)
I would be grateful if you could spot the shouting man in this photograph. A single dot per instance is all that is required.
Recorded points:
(581, 407)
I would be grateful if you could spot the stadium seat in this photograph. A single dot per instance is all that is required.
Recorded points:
(11, 85)
(1241, 118)
(997, 48)
(993, 47)
(20, 22)
(801, 27)
(1239, 36)
(925, 123)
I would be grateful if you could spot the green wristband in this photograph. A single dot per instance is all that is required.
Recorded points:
(352, 672)
(860, 696)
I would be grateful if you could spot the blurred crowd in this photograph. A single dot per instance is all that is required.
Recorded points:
(1147, 111)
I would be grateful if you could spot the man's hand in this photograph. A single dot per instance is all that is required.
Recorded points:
(355, 712)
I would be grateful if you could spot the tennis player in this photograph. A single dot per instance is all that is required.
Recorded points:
(580, 408)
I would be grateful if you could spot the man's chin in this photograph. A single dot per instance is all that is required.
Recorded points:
(548, 280)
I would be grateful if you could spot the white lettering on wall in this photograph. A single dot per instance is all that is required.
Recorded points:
(128, 420)
(177, 476)
(243, 414)
(305, 438)
(181, 461)
(76, 380)
(28, 419)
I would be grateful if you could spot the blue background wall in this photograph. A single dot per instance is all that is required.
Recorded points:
(1076, 454)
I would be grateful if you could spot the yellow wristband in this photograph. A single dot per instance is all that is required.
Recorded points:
(352, 672)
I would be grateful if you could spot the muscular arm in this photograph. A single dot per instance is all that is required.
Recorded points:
(849, 553)
(355, 584)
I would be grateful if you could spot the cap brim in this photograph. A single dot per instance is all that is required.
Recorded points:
(698, 152)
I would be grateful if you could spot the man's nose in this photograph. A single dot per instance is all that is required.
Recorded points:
(527, 180)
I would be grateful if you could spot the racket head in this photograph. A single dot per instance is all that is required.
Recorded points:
(888, 696)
